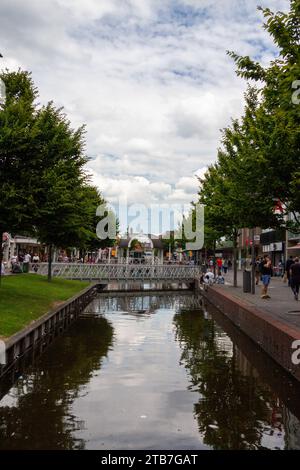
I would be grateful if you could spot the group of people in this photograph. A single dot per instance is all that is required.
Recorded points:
(214, 270)
(264, 272)
(222, 265)
(21, 262)
(209, 278)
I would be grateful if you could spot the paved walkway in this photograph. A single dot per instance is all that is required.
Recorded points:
(281, 305)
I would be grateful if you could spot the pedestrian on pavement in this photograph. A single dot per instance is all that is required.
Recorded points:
(266, 277)
(220, 264)
(295, 277)
(225, 265)
(288, 265)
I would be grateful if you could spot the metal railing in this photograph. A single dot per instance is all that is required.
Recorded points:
(147, 260)
(111, 272)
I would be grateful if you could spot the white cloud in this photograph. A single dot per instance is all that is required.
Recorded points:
(138, 189)
(188, 183)
(151, 80)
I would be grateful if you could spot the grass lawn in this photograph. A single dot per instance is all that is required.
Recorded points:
(26, 297)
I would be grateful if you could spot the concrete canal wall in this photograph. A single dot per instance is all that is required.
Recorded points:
(40, 333)
(273, 335)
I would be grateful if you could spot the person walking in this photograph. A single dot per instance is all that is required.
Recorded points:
(225, 266)
(295, 277)
(266, 277)
(288, 265)
(219, 264)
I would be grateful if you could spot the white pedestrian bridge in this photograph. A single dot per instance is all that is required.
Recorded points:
(120, 272)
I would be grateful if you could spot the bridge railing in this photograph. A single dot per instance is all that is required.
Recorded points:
(118, 271)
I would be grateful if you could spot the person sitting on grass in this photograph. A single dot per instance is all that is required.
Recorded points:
(266, 277)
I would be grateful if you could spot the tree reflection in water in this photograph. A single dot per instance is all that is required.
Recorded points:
(234, 410)
(39, 415)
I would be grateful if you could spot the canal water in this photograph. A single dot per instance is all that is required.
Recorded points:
(158, 371)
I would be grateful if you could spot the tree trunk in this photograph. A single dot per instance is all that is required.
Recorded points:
(215, 243)
(253, 263)
(235, 284)
(50, 263)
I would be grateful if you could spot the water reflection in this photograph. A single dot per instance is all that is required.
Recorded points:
(142, 303)
(235, 409)
(37, 414)
(151, 372)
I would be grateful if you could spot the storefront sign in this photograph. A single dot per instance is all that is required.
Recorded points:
(273, 247)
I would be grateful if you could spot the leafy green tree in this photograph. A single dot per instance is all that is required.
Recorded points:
(17, 133)
(60, 178)
(221, 214)
(67, 202)
(169, 243)
(91, 199)
(233, 190)
(258, 163)
(44, 189)
(276, 133)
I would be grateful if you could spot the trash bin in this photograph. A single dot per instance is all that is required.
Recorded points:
(247, 281)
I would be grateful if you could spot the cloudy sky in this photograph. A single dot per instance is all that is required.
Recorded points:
(150, 78)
